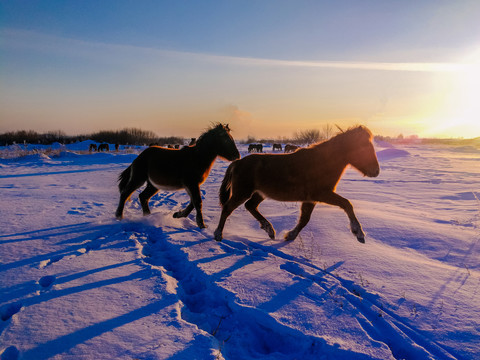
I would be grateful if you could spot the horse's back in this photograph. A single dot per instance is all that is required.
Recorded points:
(285, 177)
(269, 174)
(163, 167)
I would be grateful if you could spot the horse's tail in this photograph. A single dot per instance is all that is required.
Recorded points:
(124, 178)
(225, 191)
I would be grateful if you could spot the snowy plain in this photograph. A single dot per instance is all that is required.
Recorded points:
(77, 284)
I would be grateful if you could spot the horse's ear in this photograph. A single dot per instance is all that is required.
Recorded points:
(226, 127)
(339, 128)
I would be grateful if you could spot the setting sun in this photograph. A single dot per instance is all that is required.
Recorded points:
(459, 115)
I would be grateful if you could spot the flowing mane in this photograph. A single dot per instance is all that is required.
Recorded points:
(212, 132)
(352, 134)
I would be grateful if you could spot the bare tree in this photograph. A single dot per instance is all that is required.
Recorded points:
(327, 132)
(307, 136)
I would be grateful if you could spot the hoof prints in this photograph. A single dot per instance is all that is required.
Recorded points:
(46, 281)
(241, 332)
(86, 209)
(8, 310)
(402, 340)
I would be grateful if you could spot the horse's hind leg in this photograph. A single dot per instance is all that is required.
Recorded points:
(124, 196)
(335, 199)
(227, 209)
(119, 212)
(251, 205)
(145, 195)
(133, 184)
(305, 214)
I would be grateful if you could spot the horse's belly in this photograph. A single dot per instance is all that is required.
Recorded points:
(289, 191)
(165, 185)
(283, 196)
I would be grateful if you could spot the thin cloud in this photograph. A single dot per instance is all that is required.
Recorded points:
(346, 65)
(14, 38)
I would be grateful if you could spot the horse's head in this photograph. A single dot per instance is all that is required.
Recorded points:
(362, 155)
(224, 143)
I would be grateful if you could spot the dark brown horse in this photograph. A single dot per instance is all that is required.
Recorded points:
(102, 147)
(308, 175)
(291, 148)
(255, 148)
(172, 169)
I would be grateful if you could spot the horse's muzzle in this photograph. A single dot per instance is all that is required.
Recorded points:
(235, 156)
(374, 173)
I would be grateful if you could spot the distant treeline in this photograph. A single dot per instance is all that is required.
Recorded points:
(302, 137)
(129, 136)
(414, 139)
(134, 136)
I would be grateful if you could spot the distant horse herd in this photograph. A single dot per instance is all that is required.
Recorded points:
(307, 175)
(102, 147)
(258, 148)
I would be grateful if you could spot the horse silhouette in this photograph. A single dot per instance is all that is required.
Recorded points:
(175, 169)
(309, 175)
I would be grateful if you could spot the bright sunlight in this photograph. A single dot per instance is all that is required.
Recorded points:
(460, 115)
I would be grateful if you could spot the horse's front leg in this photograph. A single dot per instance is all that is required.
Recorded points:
(185, 212)
(196, 200)
(305, 214)
(335, 199)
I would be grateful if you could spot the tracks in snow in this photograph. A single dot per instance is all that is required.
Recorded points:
(242, 331)
(249, 332)
(378, 322)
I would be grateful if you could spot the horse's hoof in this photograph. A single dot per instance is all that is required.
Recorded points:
(269, 230)
(290, 236)
(217, 235)
(358, 232)
(178, 215)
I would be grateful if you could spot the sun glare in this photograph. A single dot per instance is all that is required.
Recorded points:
(460, 116)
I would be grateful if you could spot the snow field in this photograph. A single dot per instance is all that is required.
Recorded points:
(76, 284)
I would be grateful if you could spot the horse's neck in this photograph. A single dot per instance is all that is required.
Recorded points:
(204, 156)
(332, 153)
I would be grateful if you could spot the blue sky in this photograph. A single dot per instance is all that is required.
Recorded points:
(268, 67)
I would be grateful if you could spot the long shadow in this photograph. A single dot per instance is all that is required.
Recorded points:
(62, 230)
(285, 296)
(54, 294)
(22, 290)
(89, 232)
(239, 264)
(64, 343)
(54, 173)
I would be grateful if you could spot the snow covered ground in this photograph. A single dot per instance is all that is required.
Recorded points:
(77, 284)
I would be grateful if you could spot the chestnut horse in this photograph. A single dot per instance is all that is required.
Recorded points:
(309, 175)
(172, 169)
